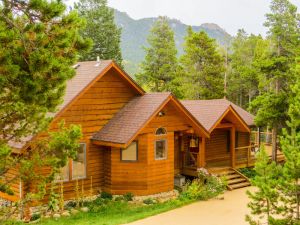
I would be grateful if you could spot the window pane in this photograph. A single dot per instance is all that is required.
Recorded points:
(161, 131)
(79, 163)
(64, 173)
(130, 153)
(160, 149)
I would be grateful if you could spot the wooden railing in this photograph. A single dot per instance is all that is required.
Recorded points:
(245, 154)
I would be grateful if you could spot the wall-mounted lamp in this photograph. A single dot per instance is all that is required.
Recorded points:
(161, 113)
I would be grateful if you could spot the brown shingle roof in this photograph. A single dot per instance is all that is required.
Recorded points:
(131, 118)
(208, 112)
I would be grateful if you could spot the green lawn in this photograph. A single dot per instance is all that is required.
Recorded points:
(117, 213)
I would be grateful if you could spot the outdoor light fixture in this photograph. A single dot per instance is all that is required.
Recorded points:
(161, 113)
(193, 142)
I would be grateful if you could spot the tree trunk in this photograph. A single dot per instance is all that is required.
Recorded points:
(274, 143)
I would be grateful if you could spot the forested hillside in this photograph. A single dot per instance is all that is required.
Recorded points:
(135, 32)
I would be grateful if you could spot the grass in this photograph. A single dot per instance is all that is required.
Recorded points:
(116, 213)
(104, 211)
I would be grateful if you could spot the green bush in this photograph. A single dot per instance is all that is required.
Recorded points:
(128, 196)
(35, 216)
(204, 187)
(248, 172)
(119, 198)
(106, 195)
(148, 201)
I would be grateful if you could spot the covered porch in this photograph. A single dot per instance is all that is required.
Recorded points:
(229, 144)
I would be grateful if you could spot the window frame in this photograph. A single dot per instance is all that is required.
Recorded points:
(166, 132)
(166, 149)
(136, 153)
(85, 165)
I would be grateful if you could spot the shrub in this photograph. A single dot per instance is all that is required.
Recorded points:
(106, 195)
(128, 196)
(35, 216)
(248, 172)
(119, 198)
(71, 204)
(148, 201)
(204, 187)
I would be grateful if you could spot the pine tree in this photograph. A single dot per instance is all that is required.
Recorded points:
(102, 29)
(290, 145)
(276, 69)
(39, 43)
(243, 78)
(264, 201)
(159, 70)
(203, 66)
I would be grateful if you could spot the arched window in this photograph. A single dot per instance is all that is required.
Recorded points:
(161, 131)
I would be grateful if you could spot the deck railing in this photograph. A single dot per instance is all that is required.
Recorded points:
(245, 154)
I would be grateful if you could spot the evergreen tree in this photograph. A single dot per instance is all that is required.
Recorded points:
(203, 66)
(276, 69)
(243, 78)
(39, 43)
(290, 145)
(264, 201)
(159, 70)
(102, 29)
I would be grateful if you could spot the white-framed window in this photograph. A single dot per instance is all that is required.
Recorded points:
(79, 163)
(160, 149)
(130, 154)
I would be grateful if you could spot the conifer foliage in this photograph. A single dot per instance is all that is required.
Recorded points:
(39, 43)
(159, 70)
(203, 67)
(102, 29)
(277, 68)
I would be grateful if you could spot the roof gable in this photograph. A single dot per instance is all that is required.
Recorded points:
(88, 73)
(211, 112)
(129, 121)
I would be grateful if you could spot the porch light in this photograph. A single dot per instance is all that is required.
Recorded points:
(193, 143)
(161, 113)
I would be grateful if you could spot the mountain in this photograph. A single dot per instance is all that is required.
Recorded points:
(135, 32)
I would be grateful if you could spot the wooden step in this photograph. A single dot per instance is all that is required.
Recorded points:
(239, 185)
(236, 180)
(233, 177)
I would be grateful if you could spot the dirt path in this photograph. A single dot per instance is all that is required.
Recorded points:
(230, 211)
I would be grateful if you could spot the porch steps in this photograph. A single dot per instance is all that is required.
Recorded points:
(233, 177)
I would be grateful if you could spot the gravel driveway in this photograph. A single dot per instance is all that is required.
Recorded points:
(230, 211)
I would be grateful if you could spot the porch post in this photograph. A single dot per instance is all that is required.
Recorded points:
(201, 153)
(232, 146)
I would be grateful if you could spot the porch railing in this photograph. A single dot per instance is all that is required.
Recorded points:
(245, 155)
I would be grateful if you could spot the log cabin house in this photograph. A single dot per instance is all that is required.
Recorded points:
(137, 142)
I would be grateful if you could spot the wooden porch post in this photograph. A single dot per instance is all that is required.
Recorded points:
(232, 146)
(201, 153)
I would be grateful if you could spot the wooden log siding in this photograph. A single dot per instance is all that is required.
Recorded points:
(92, 111)
(217, 151)
(148, 175)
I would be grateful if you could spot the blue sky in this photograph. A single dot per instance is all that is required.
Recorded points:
(229, 14)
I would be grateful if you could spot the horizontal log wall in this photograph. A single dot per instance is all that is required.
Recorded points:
(92, 111)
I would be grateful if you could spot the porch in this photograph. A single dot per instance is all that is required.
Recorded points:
(226, 149)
